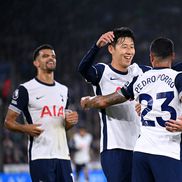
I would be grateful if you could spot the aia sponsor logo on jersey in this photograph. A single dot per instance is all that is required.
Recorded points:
(127, 83)
(52, 111)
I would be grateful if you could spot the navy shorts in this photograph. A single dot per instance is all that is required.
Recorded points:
(51, 170)
(117, 165)
(155, 168)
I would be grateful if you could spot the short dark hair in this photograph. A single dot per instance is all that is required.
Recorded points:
(162, 47)
(41, 47)
(122, 32)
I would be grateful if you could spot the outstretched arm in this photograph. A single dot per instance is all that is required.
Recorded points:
(101, 102)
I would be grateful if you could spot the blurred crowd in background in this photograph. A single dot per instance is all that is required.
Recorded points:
(71, 27)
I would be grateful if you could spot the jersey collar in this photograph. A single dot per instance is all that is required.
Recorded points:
(158, 68)
(117, 71)
(44, 82)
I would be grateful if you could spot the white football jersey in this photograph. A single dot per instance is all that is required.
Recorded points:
(44, 104)
(158, 91)
(82, 144)
(119, 123)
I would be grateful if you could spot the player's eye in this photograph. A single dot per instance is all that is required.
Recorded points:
(54, 56)
(45, 55)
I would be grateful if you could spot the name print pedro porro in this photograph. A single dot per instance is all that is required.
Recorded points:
(149, 80)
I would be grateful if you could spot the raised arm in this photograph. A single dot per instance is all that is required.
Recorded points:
(105, 38)
(86, 67)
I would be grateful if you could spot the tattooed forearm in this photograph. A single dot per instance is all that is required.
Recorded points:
(114, 98)
(101, 102)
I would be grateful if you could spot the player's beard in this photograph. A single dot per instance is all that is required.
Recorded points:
(51, 68)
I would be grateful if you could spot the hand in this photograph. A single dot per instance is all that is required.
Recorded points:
(71, 117)
(174, 125)
(33, 129)
(138, 108)
(83, 102)
(105, 39)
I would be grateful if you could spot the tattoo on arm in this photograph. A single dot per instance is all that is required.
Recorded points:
(115, 98)
(101, 102)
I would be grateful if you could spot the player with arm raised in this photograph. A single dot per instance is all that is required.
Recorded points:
(119, 123)
(159, 91)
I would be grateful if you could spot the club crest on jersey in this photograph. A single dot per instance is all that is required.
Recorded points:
(62, 98)
(15, 94)
(127, 83)
(52, 111)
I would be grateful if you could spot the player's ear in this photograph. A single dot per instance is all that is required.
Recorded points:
(36, 63)
(151, 58)
(110, 48)
(173, 56)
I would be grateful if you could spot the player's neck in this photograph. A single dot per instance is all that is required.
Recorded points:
(164, 63)
(46, 78)
(119, 67)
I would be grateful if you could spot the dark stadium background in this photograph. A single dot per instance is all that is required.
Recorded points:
(72, 26)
